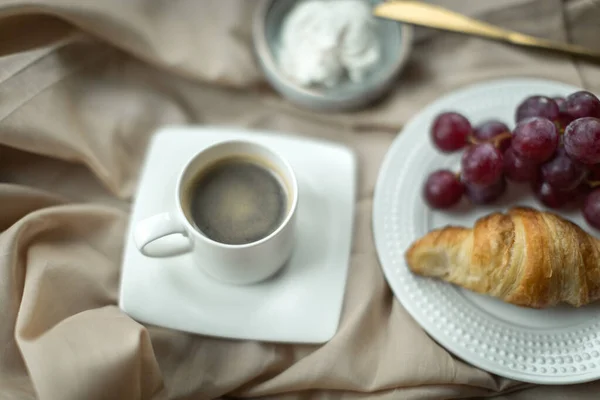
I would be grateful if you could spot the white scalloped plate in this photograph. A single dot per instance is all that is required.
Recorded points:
(553, 346)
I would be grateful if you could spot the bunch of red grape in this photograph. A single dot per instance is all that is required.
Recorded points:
(554, 147)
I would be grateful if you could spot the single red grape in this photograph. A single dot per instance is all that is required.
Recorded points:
(535, 139)
(582, 140)
(443, 189)
(583, 190)
(481, 164)
(485, 194)
(593, 172)
(563, 121)
(564, 118)
(583, 104)
(561, 102)
(562, 172)
(550, 197)
(519, 169)
(490, 129)
(591, 208)
(450, 131)
(537, 106)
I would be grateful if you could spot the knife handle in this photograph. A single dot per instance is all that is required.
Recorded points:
(432, 16)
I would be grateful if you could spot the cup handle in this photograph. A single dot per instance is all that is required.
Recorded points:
(156, 227)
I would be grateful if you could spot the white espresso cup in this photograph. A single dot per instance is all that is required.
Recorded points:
(231, 263)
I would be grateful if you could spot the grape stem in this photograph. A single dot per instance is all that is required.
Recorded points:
(592, 184)
(496, 140)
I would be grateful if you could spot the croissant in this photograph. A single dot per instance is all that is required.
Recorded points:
(525, 257)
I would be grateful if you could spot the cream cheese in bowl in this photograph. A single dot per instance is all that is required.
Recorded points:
(323, 42)
(329, 54)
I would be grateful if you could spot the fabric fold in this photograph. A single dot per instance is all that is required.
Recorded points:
(83, 86)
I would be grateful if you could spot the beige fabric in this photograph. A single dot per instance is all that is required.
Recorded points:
(83, 84)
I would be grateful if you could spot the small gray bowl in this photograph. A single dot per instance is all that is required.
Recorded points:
(396, 41)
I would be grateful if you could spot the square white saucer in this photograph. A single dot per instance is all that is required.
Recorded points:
(300, 304)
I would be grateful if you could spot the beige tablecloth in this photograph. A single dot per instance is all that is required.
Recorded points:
(84, 83)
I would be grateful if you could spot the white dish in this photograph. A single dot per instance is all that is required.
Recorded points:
(395, 39)
(554, 346)
(300, 304)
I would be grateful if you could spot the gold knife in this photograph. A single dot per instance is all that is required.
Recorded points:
(432, 16)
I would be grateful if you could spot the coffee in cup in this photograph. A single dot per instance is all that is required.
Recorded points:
(237, 200)
(236, 204)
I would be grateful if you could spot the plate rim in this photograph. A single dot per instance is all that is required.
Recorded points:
(395, 284)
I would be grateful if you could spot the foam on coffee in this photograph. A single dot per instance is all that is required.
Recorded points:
(237, 200)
